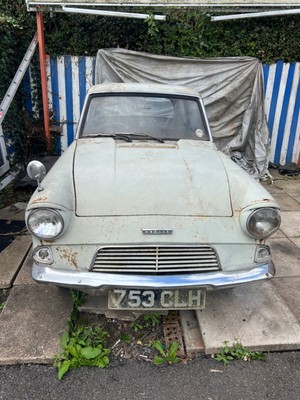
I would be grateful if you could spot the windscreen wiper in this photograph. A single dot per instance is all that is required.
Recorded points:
(121, 136)
(145, 135)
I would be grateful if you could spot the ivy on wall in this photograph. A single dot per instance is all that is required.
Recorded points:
(186, 32)
(22, 133)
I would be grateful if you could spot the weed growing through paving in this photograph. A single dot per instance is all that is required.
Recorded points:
(151, 320)
(237, 351)
(93, 344)
(10, 195)
(82, 345)
(125, 338)
(146, 321)
(3, 297)
(168, 355)
(136, 326)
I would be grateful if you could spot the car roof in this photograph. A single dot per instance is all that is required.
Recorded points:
(154, 88)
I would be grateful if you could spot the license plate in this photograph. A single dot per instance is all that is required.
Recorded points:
(159, 299)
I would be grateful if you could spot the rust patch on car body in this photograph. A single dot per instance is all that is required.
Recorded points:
(40, 199)
(69, 255)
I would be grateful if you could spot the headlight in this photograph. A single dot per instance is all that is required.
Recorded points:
(45, 223)
(263, 222)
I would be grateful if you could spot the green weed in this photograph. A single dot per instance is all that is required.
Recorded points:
(146, 321)
(237, 351)
(83, 347)
(168, 355)
(136, 326)
(125, 338)
(3, 297)
(151, 320)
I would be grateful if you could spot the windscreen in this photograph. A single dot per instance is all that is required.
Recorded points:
(162, 117)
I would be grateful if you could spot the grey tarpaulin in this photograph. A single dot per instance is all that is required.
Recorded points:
(231, 88)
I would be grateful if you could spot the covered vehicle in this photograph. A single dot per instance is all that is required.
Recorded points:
(144, 208)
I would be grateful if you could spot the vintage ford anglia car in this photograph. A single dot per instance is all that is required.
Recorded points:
(144, 209)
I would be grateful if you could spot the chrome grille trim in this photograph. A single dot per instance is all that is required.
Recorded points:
(156, 259)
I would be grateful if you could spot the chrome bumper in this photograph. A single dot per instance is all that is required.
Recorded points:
(209, 280)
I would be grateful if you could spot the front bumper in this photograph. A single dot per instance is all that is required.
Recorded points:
(101, 281)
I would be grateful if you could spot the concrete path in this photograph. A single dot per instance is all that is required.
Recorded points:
(263, 316)
(32, 323)
(255, 315)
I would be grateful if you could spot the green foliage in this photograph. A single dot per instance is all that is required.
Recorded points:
(78, 301)
(3, 297)
(151, 320)
(2, 305)
(136, 326)
(146, 321)
(83, 347)
(17, 28)
(125, 338)
(168, 355)
(237, 351)
(186, 32)
(10, 195)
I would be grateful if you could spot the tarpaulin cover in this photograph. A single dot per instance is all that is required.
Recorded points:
(231, 88)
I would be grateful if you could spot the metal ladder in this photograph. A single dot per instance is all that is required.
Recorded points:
(15, 83)
(5, 104)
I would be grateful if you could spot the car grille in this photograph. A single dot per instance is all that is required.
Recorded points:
(156, 259)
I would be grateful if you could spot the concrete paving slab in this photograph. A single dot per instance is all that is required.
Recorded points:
(287, 184)
(11, 260)
(286, 202)
(15, 212)
(32, 323)
(190, 328)
(295, 193)
(286, 257)
(278, 234)
(24, 275)
(296, 241)
(94, 304)
(289, 290)
(254, 314)
(290, 223)
(272, 189)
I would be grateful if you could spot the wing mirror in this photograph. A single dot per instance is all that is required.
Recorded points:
(36, 171)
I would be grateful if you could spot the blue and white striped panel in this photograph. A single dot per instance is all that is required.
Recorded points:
(282, 101)
(69, 78)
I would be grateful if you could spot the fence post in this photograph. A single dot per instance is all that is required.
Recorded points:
(42, 55)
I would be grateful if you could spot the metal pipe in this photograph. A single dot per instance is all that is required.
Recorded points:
(256, 15)
(111, 13)
(32, 4)
(42, 55)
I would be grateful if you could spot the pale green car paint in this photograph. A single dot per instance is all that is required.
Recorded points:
(108, 190)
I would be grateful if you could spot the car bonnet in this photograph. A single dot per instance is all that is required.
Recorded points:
(116, 178)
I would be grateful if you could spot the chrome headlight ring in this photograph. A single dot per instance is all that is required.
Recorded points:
(262, 222)
(45, 223)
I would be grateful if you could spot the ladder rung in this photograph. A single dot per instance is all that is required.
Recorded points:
(13, 87)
